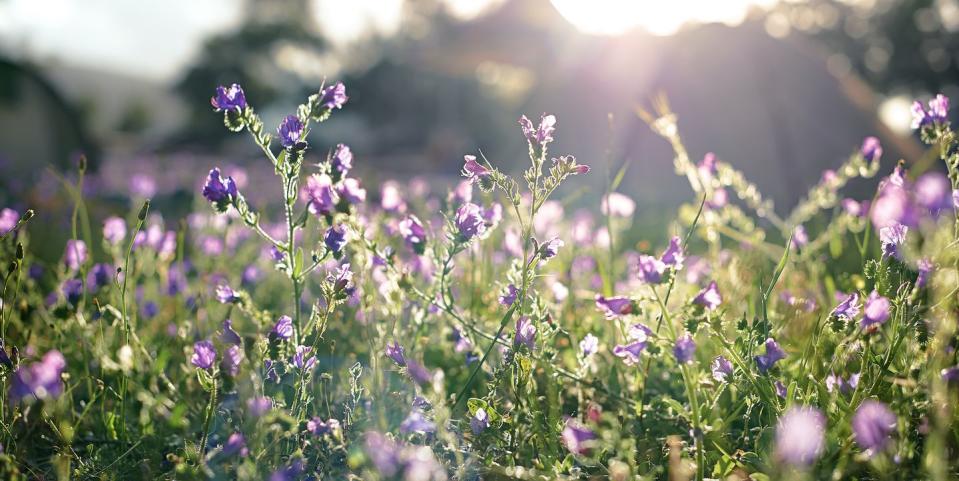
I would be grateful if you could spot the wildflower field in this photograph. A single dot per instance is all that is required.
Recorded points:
(481, 331)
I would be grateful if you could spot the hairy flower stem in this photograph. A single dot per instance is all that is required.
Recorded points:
(141, 217)
(208, 420)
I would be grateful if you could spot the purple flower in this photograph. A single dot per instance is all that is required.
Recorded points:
(75, 254)
(350, 190)
(321, 198)
(472, 169)
(589, 345)
(800, 436)
(708, 166)
(318, 427)
(577, 438)
(684, 349)
(418, 373)
(873, 425)
(613, 307)
(876, 310)
(396, 352)
(204, 355)
(334, 96)
(950, 374)
(924, 267)
(259, 406)
(8, 220)
(800, 237)
(871, 149)
(413, 233)
(937, 113)
(639, 337)
(290, 472)
(774, 353)
(721, 368)
(335, 238)
(617, 205)
(525, 333)
(236, 445)
(415, 422)
(845, 386)
(229, 336)
(709, 297)
(509, 297)
(342, 159)
(891, 238)
(384, 454)
(283, 329)
(220, 191)
(933, 192)
(229, 98)
(651, 269)
(72, 290)
(550, 248)
(303, 360)
(226, 295)
(342, 280)
(114, 230)
(290, 131)
(894, 206)
(674, 255)
(40, 380)
(780, 389)
(232, 358)
(4, 358)
(469, 221)
(541, 135)
(848, 308)
(100, 275)
(480, 421)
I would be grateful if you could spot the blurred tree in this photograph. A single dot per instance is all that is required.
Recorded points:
(895, 45)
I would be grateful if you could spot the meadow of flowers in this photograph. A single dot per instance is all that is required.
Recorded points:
(484, 332)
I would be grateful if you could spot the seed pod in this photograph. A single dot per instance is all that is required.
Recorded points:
(143, 210)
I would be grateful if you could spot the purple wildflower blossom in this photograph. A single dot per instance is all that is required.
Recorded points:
(229, 98)
(873, 425)
(204, 355)
(800, 436)
(709, 297)
(577, 438)
(614, 307)
(418, 372)
(469, 221)
(651, 269)
(848, 308)
(100, 275)
(290, 131)
(721, 368)
(414, 234)
(283, 329)
(259, 406)
(236, 446)
(302, 359)
(321, 198)
(871, 149)
(589, 345)
(774, 353)
(396, 352)
(342, 159)
(416, 422)
(525, 333)
(938, 112)
(934, 192)
(114, 230)
(226, 295)
(639, 338)
(75, 254)
(479, 422)
(318, 427)
(684, 349)
(617, 205)
(350, 190)
(232, 357)
(472, 169)
(540, 135)
(800, 237)
(674, 255)
(334, 96)
(924, 267)
(891, 238)
(836, 382)
(550, 248)
(230, 336)
(40, 380)
(335, 238)
(509, 296)
(8, 220)
(219, 190)
(876, 311)
(72, 290)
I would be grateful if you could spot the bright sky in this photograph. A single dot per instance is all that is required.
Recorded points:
(156, 38)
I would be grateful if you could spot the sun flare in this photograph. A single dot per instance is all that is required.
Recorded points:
(614, 17)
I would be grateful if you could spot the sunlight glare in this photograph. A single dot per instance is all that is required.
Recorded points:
(615, 17)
